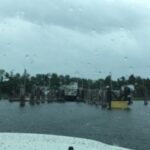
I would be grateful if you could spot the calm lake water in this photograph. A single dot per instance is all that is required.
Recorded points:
(128, 128)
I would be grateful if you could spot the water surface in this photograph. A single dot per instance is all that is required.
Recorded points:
(118, 127)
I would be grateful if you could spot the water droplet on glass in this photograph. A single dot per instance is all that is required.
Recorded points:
(80, 9)
(131, 67)
(57, 7)
(34, 55)
(122, 28)
(22, 13)
(8, 44)
(93, 31)
(32, 61)
(5, 22)
(71, 9)
(27, 55)
(112, 40)
(122, 36)
(125, 58)
(76, 72)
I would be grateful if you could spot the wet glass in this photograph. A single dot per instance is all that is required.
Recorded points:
(65, 66)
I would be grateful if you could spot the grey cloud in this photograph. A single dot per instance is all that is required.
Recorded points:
(98, 15)
(74, 36)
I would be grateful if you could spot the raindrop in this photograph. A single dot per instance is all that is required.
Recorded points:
(76, 72)
(97, 52)
(32, 61)
(5, 22)
(122, 36)
(8, 44)
(87, 124)
(93, 31)
(112, 40)
(125, 58)
(122, 28)
(22, 13)
(131, 67)
(57, 7)
(4, 55)
(71, 9)
(80, 9)
(27, 55)
(35, 55)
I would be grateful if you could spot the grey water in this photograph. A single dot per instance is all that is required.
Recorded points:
(127, 128)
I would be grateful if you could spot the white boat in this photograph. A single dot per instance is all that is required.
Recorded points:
(19, 141)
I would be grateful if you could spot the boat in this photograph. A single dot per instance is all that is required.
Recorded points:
(21, 141)
(116, 104)
(70, 91)
(122, 101)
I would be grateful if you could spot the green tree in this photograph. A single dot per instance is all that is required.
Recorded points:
(132, 79)
(107, 81)
(54, 80)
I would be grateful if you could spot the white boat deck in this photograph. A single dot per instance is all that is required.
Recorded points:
(14, 141)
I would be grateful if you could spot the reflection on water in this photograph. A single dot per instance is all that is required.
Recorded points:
(124, 128)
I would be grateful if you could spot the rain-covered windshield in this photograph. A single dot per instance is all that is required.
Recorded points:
(76, 68)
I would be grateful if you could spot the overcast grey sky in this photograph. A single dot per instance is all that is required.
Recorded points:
(87, 38)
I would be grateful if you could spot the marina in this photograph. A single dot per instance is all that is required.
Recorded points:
(41, 88)
(93, 97)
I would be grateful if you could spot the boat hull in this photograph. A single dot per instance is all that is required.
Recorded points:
(19, 141)
(119, 105)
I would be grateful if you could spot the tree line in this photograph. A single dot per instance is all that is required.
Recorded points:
(10, 83)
